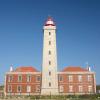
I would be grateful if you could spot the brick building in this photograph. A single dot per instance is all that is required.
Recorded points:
(76, 80)
(29, 81)
(23, 81)
(71, 80)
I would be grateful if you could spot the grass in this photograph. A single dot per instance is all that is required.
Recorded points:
(67, 97)
(57, 97)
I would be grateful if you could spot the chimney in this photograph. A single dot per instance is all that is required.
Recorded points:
(11, 68)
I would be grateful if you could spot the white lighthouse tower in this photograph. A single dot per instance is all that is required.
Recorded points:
(49, 65)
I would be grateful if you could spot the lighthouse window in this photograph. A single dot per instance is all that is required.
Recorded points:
(49, 52)
(49, 84)
(49, 62)
(49, 42)
(49, 73)
(49, 33)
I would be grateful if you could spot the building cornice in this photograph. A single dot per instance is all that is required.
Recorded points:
(75, 72)
(23, 73)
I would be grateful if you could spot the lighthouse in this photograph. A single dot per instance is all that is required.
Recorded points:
(49, 64)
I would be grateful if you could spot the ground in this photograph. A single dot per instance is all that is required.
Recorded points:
(61, 97)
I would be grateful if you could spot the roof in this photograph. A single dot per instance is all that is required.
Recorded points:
(49, 22)
(74, 69)
(26, 69)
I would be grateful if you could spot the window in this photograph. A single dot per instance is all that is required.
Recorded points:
(49, 73)
(28, 78)
(70, 78)
(49, 42)
(28, 88)
(89, 78)
(10, 78)
(19, 88)
(80, 88)
(49, 33)
(49, 62)
(37, 88)
(80, 78)
(49, 84)
(49, 52)
(9, 88)
(19, 78)
(70, 88)
(61, 88)
(89, 88)
(60, 78)
(38, 78)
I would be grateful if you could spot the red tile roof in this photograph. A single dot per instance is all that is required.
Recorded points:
(74, 69)
(26, 69)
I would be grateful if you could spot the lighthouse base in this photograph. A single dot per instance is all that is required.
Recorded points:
(53, 91)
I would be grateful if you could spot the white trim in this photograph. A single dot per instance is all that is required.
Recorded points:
(5, 92)
(70, 78)
(23, 72)
(75, 72)
(23, 83)
(20, 78)
(13, 94)
(90, 88)
(28, 78)
(80, 78)
(28, 89)
(9, 86)
(89, 78)
(79, 83)
(94, 83)
(61, 88)
(70, 88)
(80, 88)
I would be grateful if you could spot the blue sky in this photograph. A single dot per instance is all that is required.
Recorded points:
(21, 33)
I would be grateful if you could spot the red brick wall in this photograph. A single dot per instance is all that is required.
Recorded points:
(75, 83)
(23, 83)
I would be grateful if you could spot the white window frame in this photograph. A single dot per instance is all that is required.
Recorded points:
(18, 88)
(80, 87)
(80, 78)
(90, 88)
(10, 88)
(10, 78)
(28, 78)
(89, 78)
(19, 78)
(70, 88)
(28, 89)
(70, 78)
(61, 88)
